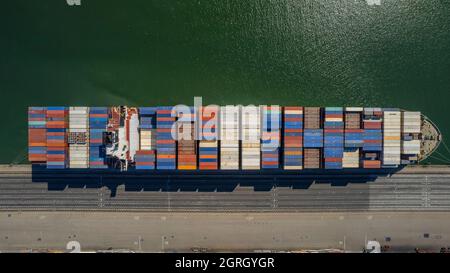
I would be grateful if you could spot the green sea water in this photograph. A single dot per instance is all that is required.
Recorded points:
(144, 52)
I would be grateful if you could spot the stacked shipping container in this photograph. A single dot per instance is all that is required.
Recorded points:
(165, 142)
(145, 156)
(312, 158)
(37, 134)
(373, 133)
(250, 136)
(293, 138)
(391, 140)
(373, 137)
(351, 158)
(98, 120)
(229, 137)
(61, 137)
(313, 138)
(353, 140)
(353, 131)
(411, 127)
(208, 144)
(270, 137)
(187, 144)
(334, 137)
(56, 137)
(78, 137)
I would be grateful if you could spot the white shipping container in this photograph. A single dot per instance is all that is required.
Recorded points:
(411, 147)
(229, 158)
(250, 135)
(79, 123)
(229, 135)
(354, 109)
(298, 167)
(78, 156)
(351, 158)
(251, 158)
(411, 122)
(148, 139)
(391, 143)
(208, 143)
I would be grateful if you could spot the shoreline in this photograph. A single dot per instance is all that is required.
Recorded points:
(415, 169)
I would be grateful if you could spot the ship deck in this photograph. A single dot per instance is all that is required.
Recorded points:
(431, 138)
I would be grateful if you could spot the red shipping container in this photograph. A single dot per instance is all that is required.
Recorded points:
(269, 163)
(333, 130)
(57, 124)
(56, 134)
(293, 130)
(208, 166)
(296, 108)
(54, 113)
(164, 130)
(36, 119)
(39, 132)
(142, 163)
(165, 141)
(334, 116)
(293, 119)
(371, 164)
(40, 112)
(267, 155)
(165, 119)
(98, 115)
(372, 125)
(164, 111)
(37, 157)
(145, 152)
(333, 159)
(354, 130)
(371, 141)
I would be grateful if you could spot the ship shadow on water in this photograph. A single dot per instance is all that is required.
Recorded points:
(200, 181)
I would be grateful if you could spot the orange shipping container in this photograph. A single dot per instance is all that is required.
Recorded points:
(186, 167)
(37, 144)
(165, 156)
(208, 156)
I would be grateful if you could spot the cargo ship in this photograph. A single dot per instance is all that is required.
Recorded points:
(240, 138)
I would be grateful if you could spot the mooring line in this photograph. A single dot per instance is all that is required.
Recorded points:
(20, 157)
(445, 161)
(443, 156)
(445, 146)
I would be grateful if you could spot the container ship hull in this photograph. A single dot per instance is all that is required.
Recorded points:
(228, 139)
